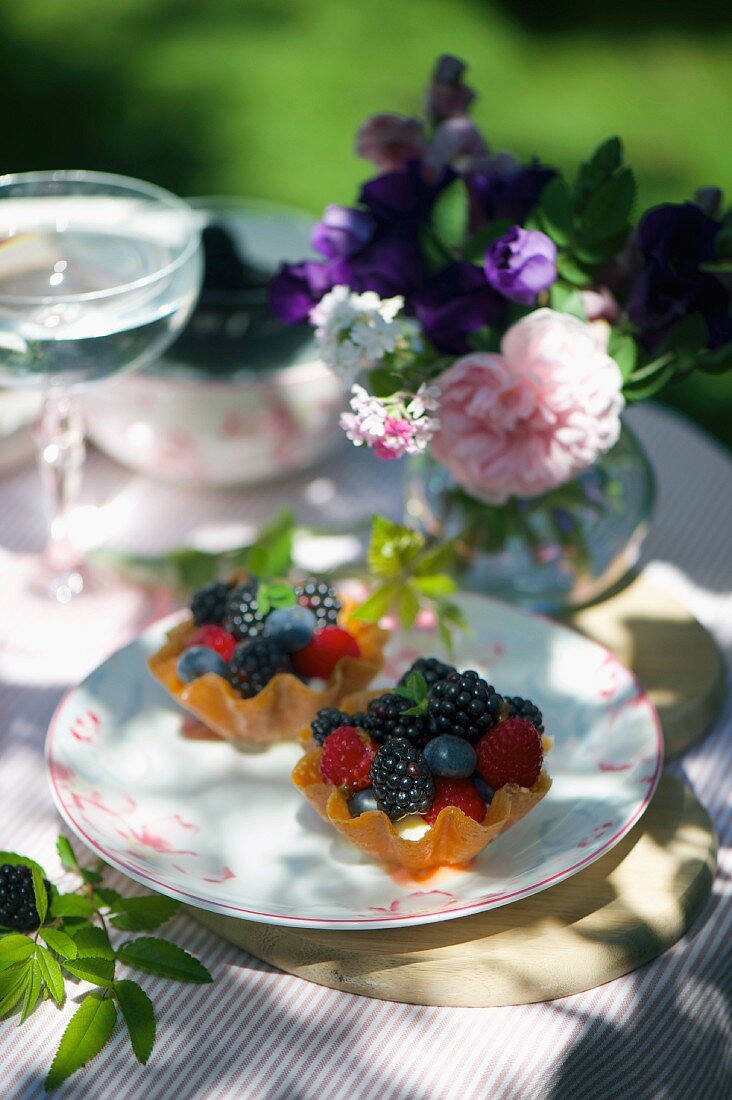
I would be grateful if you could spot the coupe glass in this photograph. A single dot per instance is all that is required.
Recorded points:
(98, 274)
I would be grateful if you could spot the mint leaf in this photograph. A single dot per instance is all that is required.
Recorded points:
(66, 854)
(14, 949)
(162, 958)
(21, 861)
(39, 893)
(378, 604)
(97, 970)
(407, 606)
(139, 1016)
(439, 584)
(436, 559)
(138, 914)
(92, 942)
(392, 547)
(31, 991)
(59, 942)
(51, 973)
(87, 1032)
(71, 905)
(12, 985)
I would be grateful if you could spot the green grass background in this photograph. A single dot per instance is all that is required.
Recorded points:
(262, 97)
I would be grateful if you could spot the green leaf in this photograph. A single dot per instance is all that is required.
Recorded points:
(446, 637)
(31, 991)
(407, 606)
(436, 256)
(138, 914)
(717, 361)
(415, 687)
(392, 547)
(450, 215)
(139, 1016)
(66, 854)
(609, 207)
(717, 267)
(634, 393)
(436, 559)
(624, 350)
(572, 272)
(87, 1032)
(438, 584)
(59, 942)
(51, 973)
(71, 905)
(104, 896)
(97, 970)
(21, 861)
(475, 249)
(12, 986)
(14, 949)
(555, 211)
(271, 554)
(383, 382)
(92, 942)
(690, 334)
(566, 299)
(275, 594)
(484, 339)
(162, 958)
(603, 163)
(39, 893)
(378, 604)
(92, 878)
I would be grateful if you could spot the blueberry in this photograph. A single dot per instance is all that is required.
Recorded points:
(197, 661)
(485, 792)
(291, 627)
(362, 801)
(450, 756)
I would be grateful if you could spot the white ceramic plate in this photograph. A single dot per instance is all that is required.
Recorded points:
(227, 831)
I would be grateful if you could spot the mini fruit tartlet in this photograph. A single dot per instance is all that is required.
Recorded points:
(257, 660)
(428, 773)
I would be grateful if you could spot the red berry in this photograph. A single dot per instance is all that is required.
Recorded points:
(319, 657)
(214, 637)
(456, 792)
(346, 758)
(511, 753)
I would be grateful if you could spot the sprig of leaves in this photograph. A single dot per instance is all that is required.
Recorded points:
(73, 941)
(411, 574)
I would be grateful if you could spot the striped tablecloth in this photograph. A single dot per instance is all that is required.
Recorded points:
(663, 1032)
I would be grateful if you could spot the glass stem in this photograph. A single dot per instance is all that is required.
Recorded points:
(60, 445)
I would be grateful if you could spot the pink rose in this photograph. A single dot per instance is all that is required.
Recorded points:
(390, 141)
(600, 304)
(535, 416)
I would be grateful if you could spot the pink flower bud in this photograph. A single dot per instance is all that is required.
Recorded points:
(390, 141)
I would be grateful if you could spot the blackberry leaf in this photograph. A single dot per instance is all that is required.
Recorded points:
(139, 1016)
(87, 1032)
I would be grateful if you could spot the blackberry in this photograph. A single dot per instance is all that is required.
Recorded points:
(465, 705)
(17, 900)
(402, 781)
(253, 664)
(242, 616)
(209, 603)
(430, 668)
(321, 599)
(330, 718)
(386, 718)
(516, 707)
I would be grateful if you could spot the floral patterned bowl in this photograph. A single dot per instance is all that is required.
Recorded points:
(239, 398)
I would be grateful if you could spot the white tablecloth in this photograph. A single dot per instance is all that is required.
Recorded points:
(662, 1032)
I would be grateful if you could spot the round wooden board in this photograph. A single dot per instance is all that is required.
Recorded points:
(624, 910)
(676, 660)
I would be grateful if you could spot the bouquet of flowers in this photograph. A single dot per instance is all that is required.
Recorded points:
(498, 315)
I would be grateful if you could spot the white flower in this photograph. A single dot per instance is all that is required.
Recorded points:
(393, 426)
(357, 331)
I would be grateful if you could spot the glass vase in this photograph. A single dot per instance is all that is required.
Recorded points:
(551, 553)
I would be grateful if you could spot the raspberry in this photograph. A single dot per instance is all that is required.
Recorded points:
(214, 637)
(465, 705)
(209, 603)
(320, 656)
(253, 664)
(456, 792)
(243, 617)
(386, 718)
(511, 753)
(401, 779)
(346, 759)
(516, 707)
(17, 900)
(430, 668)
(321, 598)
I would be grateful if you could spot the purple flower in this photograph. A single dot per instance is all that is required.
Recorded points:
(674, 240)
(520, 264)
(506, 190)
(455, 303)
(447, 96)
(342, 231)
(391, 264)
(457, 142)
(404, 199)
(296, 288)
